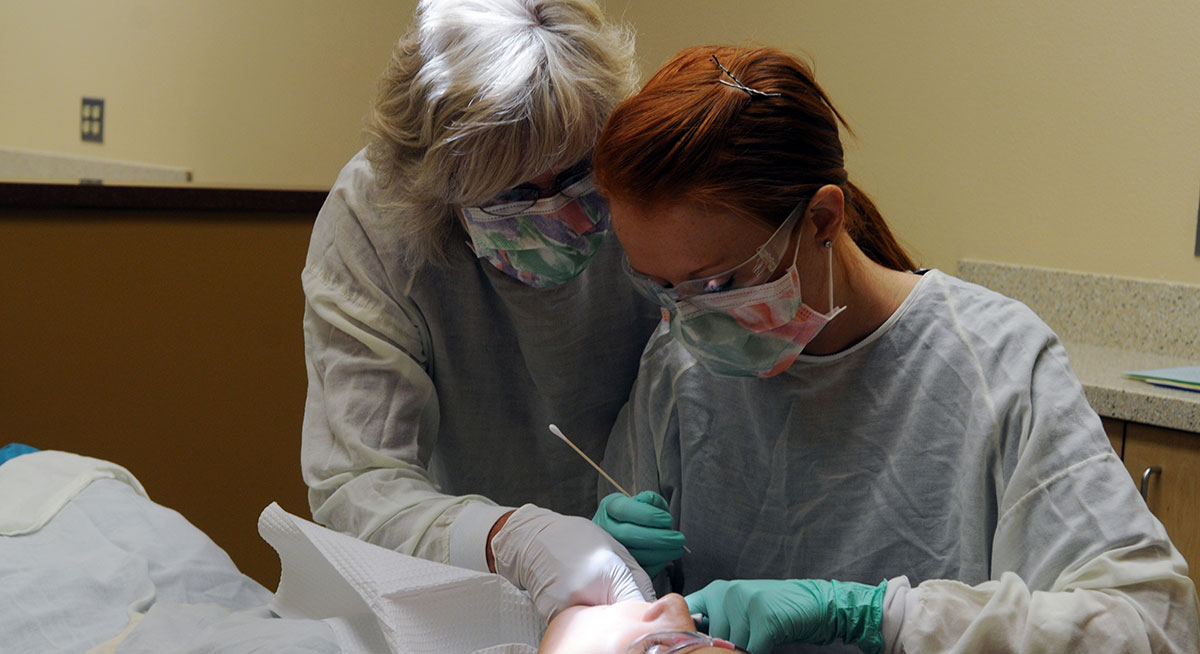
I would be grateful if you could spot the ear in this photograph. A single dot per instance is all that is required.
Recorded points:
(827, 211)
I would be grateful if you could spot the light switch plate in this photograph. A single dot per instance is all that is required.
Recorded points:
(91, 120)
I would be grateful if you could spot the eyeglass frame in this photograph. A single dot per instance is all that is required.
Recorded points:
(765, 263)
(563, 182)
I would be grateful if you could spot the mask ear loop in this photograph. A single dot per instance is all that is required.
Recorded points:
(829, 250)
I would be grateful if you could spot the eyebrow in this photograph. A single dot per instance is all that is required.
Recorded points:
(724, 265)
(713, 270)
(697, 273)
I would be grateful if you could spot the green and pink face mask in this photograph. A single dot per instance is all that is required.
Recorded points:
(544, 242)
(750, 332)
(739, 324)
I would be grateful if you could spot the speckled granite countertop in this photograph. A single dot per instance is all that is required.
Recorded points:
(1110, 325)
(1102, 370)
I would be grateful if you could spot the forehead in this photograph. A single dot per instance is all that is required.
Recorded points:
(678, 237)
(544, 179)
(682, 224)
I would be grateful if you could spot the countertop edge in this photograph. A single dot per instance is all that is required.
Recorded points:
(159, 198)
(1101, 370)
(1123, 405)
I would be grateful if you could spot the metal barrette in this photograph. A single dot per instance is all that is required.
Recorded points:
(737, 83)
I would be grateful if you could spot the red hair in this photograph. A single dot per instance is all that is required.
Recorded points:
(687, 135)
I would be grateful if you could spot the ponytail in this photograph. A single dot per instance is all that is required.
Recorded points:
(870, 232)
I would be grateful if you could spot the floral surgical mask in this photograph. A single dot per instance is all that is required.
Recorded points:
(753, 331)
(544, 242)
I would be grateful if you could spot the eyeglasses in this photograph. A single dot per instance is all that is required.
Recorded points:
(521, 197)
(677, 642)
(752, 272)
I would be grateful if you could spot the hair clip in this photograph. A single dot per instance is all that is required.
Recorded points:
(737, 83)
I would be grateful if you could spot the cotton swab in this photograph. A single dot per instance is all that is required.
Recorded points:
(558, 432)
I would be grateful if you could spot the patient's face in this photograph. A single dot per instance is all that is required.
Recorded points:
(609, 629)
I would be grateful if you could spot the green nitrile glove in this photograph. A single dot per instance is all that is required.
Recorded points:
(643, 525)
(759, 614)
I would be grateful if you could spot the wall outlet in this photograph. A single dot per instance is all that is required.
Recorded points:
(91, 120)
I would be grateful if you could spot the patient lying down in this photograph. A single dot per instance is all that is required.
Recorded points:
(660, 627)
(98, 552)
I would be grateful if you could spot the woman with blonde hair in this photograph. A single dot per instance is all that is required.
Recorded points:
(463, 293)
(857, 451)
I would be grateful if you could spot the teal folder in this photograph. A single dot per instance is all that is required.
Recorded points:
(1185, 377)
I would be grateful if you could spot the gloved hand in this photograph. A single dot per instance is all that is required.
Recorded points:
(642, 524)
(566, 560)
(759, 614)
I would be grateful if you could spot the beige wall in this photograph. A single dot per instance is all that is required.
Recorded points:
(243, 92)
(1059, 134)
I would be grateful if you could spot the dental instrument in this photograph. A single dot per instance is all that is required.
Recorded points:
(558, 432)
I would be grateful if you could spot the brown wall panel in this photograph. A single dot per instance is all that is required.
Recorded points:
(166, 341)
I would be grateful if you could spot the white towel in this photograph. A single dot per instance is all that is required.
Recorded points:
(35, 486)
(417, 606)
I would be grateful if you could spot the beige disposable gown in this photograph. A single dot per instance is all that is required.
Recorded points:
(953, 446)
(430, 391)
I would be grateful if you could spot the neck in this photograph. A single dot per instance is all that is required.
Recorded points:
(870, 292)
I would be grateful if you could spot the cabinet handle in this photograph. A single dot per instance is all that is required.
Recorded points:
(1152, 470)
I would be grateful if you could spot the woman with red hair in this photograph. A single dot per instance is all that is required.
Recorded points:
(813, 409)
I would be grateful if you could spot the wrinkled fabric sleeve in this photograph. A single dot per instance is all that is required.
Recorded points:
(643, 449)
(1079, 564)
(371, 413)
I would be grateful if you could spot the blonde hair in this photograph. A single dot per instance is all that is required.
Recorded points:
(481, 95)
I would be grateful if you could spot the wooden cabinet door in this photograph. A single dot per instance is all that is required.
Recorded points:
(1174, 493)
(1116, 434)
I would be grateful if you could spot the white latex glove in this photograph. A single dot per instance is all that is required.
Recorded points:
(566, 561)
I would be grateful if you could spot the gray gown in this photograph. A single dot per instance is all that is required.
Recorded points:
(431, 390)
(953, 445)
